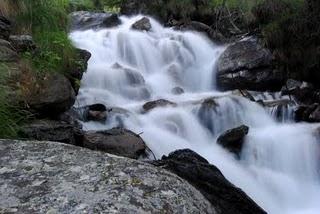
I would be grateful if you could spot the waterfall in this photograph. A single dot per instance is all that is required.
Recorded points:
(279, 164)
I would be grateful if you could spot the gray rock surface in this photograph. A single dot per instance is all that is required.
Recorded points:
(46, 177)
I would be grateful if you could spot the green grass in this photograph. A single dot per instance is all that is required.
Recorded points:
(11, 116)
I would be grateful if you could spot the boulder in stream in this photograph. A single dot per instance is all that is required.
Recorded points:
(247, 65)
(233, 139)
(116, 141)
(157, 103)
(208, 179)
(142, 24)
(49, 177)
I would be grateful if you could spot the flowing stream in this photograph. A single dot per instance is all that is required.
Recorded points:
(279, 164)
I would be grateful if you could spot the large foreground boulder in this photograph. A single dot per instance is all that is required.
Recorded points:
(116, 141)
(247, 65)
(84, 20)
(45, 177)
(53, 95)
(224, 196)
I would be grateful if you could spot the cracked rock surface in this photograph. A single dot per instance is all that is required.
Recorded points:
(47, 177)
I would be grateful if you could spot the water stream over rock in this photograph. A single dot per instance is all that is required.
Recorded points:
(279, 164)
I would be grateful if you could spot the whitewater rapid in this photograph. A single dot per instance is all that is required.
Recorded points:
(279, 164)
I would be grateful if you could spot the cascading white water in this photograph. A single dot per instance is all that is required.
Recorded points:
(279, 165)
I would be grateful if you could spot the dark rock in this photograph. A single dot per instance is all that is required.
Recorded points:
(84, 20)
(177, 91)
(76, 72)
(208, 179)
(116, 141)
(315, 115)
(50, 130)
(7, 52)
(22, 43)
(5, 43)
(49, 177)
(142, 24)
(214, 35)
(96, 112)
(54, 95)
(233, 139)
(303, 92)
(308, 113)
(157, 103)
(5, 28)
(247, 65)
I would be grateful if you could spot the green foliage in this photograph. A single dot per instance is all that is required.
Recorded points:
(10, 115)
(77, 5)
(48, 21)
(291, 29)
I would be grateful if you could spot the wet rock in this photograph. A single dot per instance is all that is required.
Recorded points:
(247, 65)
(208, 107)
(133, 77)
(54, 95)
(116, 141)
(84, 20)
(157, 103)
(142, 24)
(76, 73)
(96, 112)
(233, 139)
(214, 35)
(208, 179)
(50, 130)
(22, 43)
(177, 91)
(5, 28)
(47, 177)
